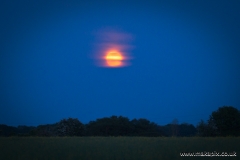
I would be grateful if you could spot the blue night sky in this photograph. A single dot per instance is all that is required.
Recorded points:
(184, 60)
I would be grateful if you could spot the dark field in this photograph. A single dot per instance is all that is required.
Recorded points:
(114, 148)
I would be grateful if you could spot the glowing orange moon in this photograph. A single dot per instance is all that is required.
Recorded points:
(114, 59)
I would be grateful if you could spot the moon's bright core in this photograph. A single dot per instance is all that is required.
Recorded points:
(114, 59)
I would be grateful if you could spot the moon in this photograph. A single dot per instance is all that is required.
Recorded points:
(114, 59)
(112, 49)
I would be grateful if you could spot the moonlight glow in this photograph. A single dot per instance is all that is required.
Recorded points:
(112, 50)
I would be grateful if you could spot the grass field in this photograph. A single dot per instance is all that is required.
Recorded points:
(113, 148)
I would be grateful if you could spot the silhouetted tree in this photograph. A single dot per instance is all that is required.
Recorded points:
(202, 129)
(179, 130)
(44, 130)
(206, 129)
(143, 127)
(24, 130)
(7, 131)
(66, 127)
(226, 120)
(186, 130)
(120, 126)
(70, 127)
(223, 122)
(113, 126)
(175, 128)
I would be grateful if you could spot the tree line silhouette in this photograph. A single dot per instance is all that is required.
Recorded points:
(223, 122)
